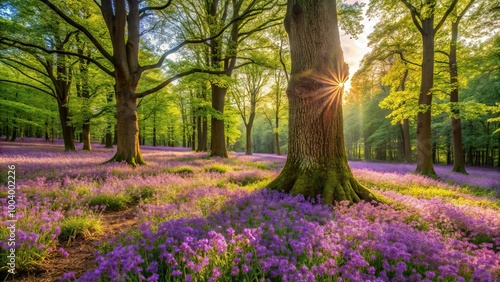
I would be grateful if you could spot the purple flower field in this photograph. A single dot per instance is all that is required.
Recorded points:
(209, 219)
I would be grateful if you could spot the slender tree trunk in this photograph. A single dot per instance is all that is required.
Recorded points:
(406, 124)
(456, 124)
(115, 136)
(67, 130)
(7, 130)
(407, 140)
(109, 136)
(249, 125)
(202, 123)
(14, 131)
(200, 135)
(154, 129)
(218, 142)
(87, 146)
(277, 135)
(424, 143)
(46, 131)
(317, 161)
(193, 134)
(154, 136)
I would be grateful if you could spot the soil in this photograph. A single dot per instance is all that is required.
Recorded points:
(81, 251)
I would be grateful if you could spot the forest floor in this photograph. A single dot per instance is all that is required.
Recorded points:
(78, 218)
(81, 252)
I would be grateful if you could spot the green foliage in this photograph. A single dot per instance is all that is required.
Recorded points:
(110, 202)
(350, 17)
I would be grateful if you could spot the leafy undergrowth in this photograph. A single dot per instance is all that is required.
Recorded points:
(208, 219)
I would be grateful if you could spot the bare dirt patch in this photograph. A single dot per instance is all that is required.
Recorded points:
(81, 252)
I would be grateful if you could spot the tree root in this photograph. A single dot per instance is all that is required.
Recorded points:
(332, 184)
(131, 160)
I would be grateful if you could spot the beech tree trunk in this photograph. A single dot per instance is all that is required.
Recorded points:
(277, 136)
(425, 165)
(14, 131)
(248, 128)
(127, 126)
(456, 123)
(406, 125)
(317, 161)
(406, 140)
(7, 130)
(109, 136)
(87, 146)
(67, 130)
(218, 140)
(193, 133)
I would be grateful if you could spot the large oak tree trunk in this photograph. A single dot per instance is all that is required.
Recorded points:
(87, 146)
(317, 160)
(218, 141)
(456, 123)
(67, 130)
(127, 148)
(424, 146)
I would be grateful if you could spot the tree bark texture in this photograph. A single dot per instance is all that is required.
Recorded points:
(277, 135)
(424, 147)
(218, 138)
(87, 145)
(317, 161)
(127, 148)
(406, 125)
(406, 140)
(67, 130)
(248, 128)
(456, 123)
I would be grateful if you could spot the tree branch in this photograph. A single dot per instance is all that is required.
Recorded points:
(68, 36)
(30, 77)
(81, 28)
(442, 62)
(182, 74)
(401, 55)
(28, 85)
(443, 52)
(49, 51)
(159, 8)
(185, 42)
(414, 14)
(443, 19)
(465, 10)
(25, 65)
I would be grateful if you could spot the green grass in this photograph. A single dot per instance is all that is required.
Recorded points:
(83, 226)
(111, 202)
(218, 168)
(184, 170)
(136, 194)
(480, 197)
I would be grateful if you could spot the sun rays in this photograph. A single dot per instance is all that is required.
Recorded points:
(330, 87)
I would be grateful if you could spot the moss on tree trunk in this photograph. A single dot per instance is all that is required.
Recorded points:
(127, 149)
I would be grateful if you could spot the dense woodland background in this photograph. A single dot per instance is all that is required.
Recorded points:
(52, 80)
